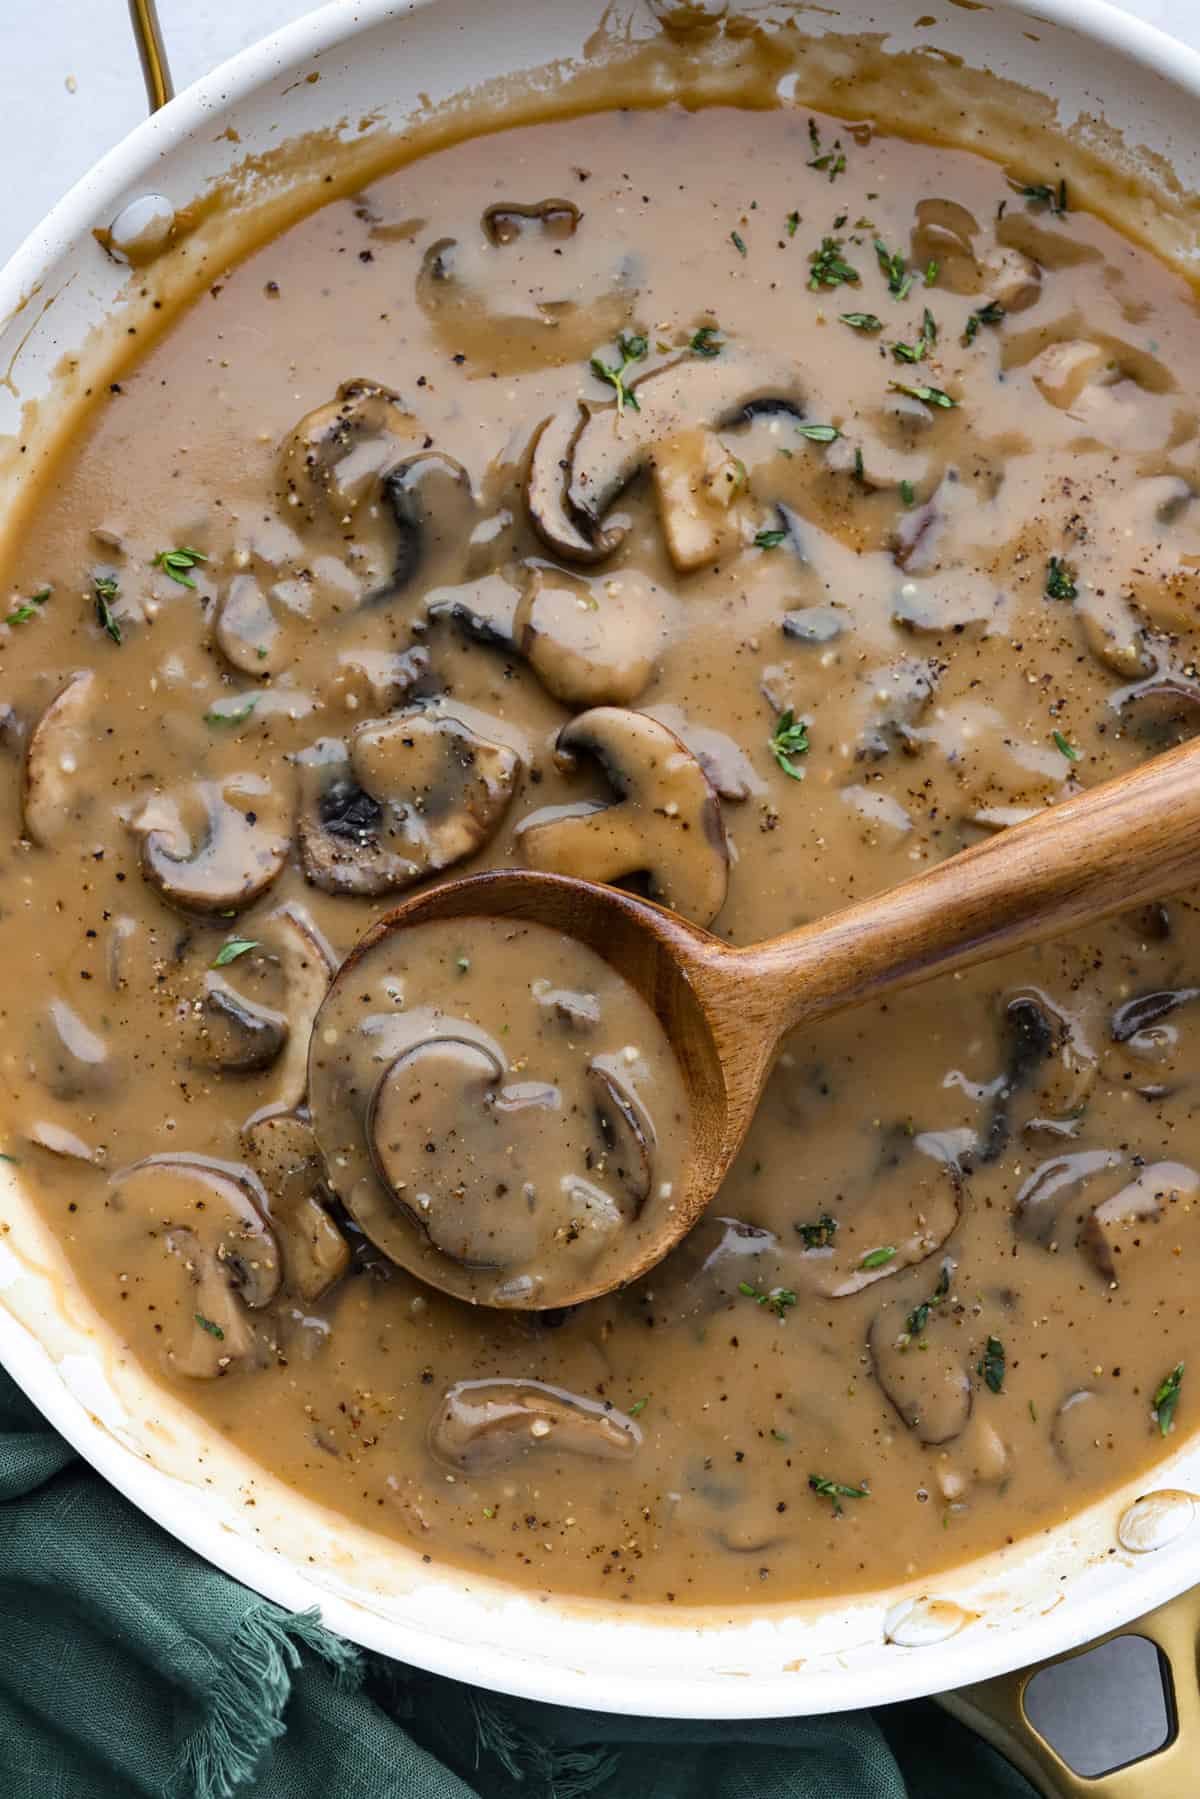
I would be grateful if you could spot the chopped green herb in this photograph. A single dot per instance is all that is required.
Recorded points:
(819, 434)
(632, 349)
(919, 351)
(895, 269)
(793, 223)
(828, 266)
(819, 1235)
(1033, 1411)
(179, 563)
(20, 615)
(990, 313)
(859, 467)
(104, 591)
(777, 1436)
(836, 1490)
(918, 1318)
(779, 1300)
(789, 738)
(862, 321)
(878, 1258)
(1060, 580)
(769, 540)
(463, 964)
(1068, 750)
(229, 952)
(206, 1324)
(489, 1511)
(831, 161)
(1167, 1398)
(15, 1160)
(1042, 193)
(738, 242)
(707, 341)
(932, 271)
(214, 716)
(991, 1364)
(907, 492)
(930, 396)
(639, 1406)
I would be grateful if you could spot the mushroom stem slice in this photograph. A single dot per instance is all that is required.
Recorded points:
(483, 1425)
(284, 1153)
(626, 1136)
(665, 823)
(309, 964)
(239, 855)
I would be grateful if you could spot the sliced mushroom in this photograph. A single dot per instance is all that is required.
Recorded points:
(70, 1059)
(435, 510)
(236, 1035)
(505, 221)
(590, 643)
(1032, 1031)
(308, 965)
(483, 1425)
(56, 754)
(483, 611)
(206, 1221)
(410, 795)
(890, 1219)
(226, 865)
(579, 467)
(665, 825)
(246, 630)
(283, 1152)
(1113, 634)
(926, 1376)
(1010, 278)
(626, 1134)
(336, 455)
(372, 682)
(1161, 711)
(1053, 1185)
(815, 624)
(1112, 1228)
(1062, 371)
(1081, 1432)
(728, 767)
(703, 503)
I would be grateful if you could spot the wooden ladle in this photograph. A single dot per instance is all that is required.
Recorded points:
(724, 1010)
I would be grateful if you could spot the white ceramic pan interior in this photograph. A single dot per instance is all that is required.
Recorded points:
(382, 66)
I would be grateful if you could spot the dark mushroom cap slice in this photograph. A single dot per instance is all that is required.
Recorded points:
(483, 1425)
(234, 859)
(237, 1034)
(1119, 1225)
(573, 538)
(284, 1154)
(194, 1232)
(590, 642)
(337, 453)
(410, 795)
(435, 509)
(56, 754)
(626, 1136)
(665, 823)
(1052, 1186)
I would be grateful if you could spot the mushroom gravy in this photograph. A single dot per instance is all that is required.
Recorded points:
(877, 532)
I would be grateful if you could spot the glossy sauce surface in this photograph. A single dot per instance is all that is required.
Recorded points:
(897, 544)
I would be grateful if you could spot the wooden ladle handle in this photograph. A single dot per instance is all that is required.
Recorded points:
(1108, 850)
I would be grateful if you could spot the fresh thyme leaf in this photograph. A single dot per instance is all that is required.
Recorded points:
(20, 615)
(632, 349)
(639, 1406)
(104, 592)
(932, 271)
(836, 1490)
(819, 1235)
(178, 563)
(1167, 1398)
(1060, 580)
(819, 434)
(895, 269)
(707, 341)
(463, 964)
(779, 1300)
(859, 466)
(918, 1318)
(214, 716)
(991, 1364)
(229, 952)
(1068, 750)
(862, 321)
(1043, 193)
(768, 540)
(738, 242)
(990, 313)
(789, 738)
(793, 223)
(829, 267)
(878, 1258)
(907, 492)
(15, 1160)
(206, 1324)
(931, 396)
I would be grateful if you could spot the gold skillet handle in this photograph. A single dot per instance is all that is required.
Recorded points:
(995, 1709)
(143, 15)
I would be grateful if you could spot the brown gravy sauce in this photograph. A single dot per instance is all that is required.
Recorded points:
(940, 1292)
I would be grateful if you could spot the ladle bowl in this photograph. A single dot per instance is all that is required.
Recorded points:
(725, 1009)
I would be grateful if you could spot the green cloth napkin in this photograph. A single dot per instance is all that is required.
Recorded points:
(130, 1667)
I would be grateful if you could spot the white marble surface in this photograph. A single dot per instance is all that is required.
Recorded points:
(70, 86)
